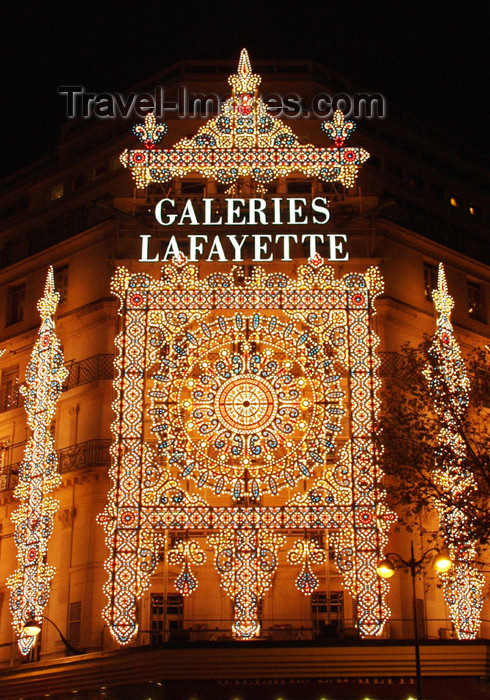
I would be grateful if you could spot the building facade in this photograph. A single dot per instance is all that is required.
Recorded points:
(224, 327)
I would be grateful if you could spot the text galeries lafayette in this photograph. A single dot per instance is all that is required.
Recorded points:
(263, 247)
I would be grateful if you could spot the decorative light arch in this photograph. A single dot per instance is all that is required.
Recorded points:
(244, 140)
(249, 369)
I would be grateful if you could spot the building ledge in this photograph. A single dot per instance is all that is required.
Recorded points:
(380, 659)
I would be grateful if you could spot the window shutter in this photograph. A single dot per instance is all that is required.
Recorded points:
(74, 623)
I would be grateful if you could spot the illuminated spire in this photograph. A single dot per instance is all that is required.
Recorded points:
(449, 388)
(244, 81)
(38, 474)
(443, 302)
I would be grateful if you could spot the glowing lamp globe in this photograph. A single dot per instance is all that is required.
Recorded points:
(442, 562)
(385, 568)
(32, 628)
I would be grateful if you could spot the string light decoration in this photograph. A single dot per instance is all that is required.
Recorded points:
(246, 561)
(253, 369)
(449, 388)
(38, 474)
(186, 552)
(306, 552)
(244, 140)
(244, 403)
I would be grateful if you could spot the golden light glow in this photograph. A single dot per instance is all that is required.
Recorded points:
(244, 140)
(32, 628)
(443, 562)
(449, 387)
(251, 372)
(38, 475)
(385, 568)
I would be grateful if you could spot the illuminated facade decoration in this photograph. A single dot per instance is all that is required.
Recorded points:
(449, 387)
(244, 141)
(38, 474)
(186, 552)
(244, 383)
(306, 552)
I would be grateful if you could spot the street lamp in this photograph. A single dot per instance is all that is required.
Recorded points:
(32, 628)
(386, 569)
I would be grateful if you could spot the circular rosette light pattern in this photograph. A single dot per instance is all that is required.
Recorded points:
(246, 405)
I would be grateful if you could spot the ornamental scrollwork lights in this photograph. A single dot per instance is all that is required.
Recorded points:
(38, 474)
(186, 553)
(256, 371)
(449, 387)
(244, 140)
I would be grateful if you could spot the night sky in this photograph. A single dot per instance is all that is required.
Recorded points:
(428, 58)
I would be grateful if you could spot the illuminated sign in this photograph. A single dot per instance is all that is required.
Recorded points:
(261, 247)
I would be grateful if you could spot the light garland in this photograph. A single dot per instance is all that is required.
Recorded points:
(244, 369)
(186, 552)
(38, 474)
(449, 387)
(306, 552)
(244, 141)
(246, 561)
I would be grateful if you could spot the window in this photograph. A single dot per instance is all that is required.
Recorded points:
(15, 304)
(476, 306)
(115, 163)
(75, 623)
(421, 630)
(9, 389)
(4, 445)
(327, 618)
(165, 616)
(192, 187)
(61, 282)
(57, 192)
(99, 171)
(430, 280)
(296, 187)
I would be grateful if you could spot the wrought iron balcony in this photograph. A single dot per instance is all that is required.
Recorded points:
(88, 370)
(84, 455)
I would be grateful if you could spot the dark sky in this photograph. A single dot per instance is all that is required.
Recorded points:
(428, 58)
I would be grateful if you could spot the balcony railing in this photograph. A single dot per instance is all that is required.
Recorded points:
(88, 370)
(84, 455)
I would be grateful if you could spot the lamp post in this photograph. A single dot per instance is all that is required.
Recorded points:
(386, 569)
(32, 628)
